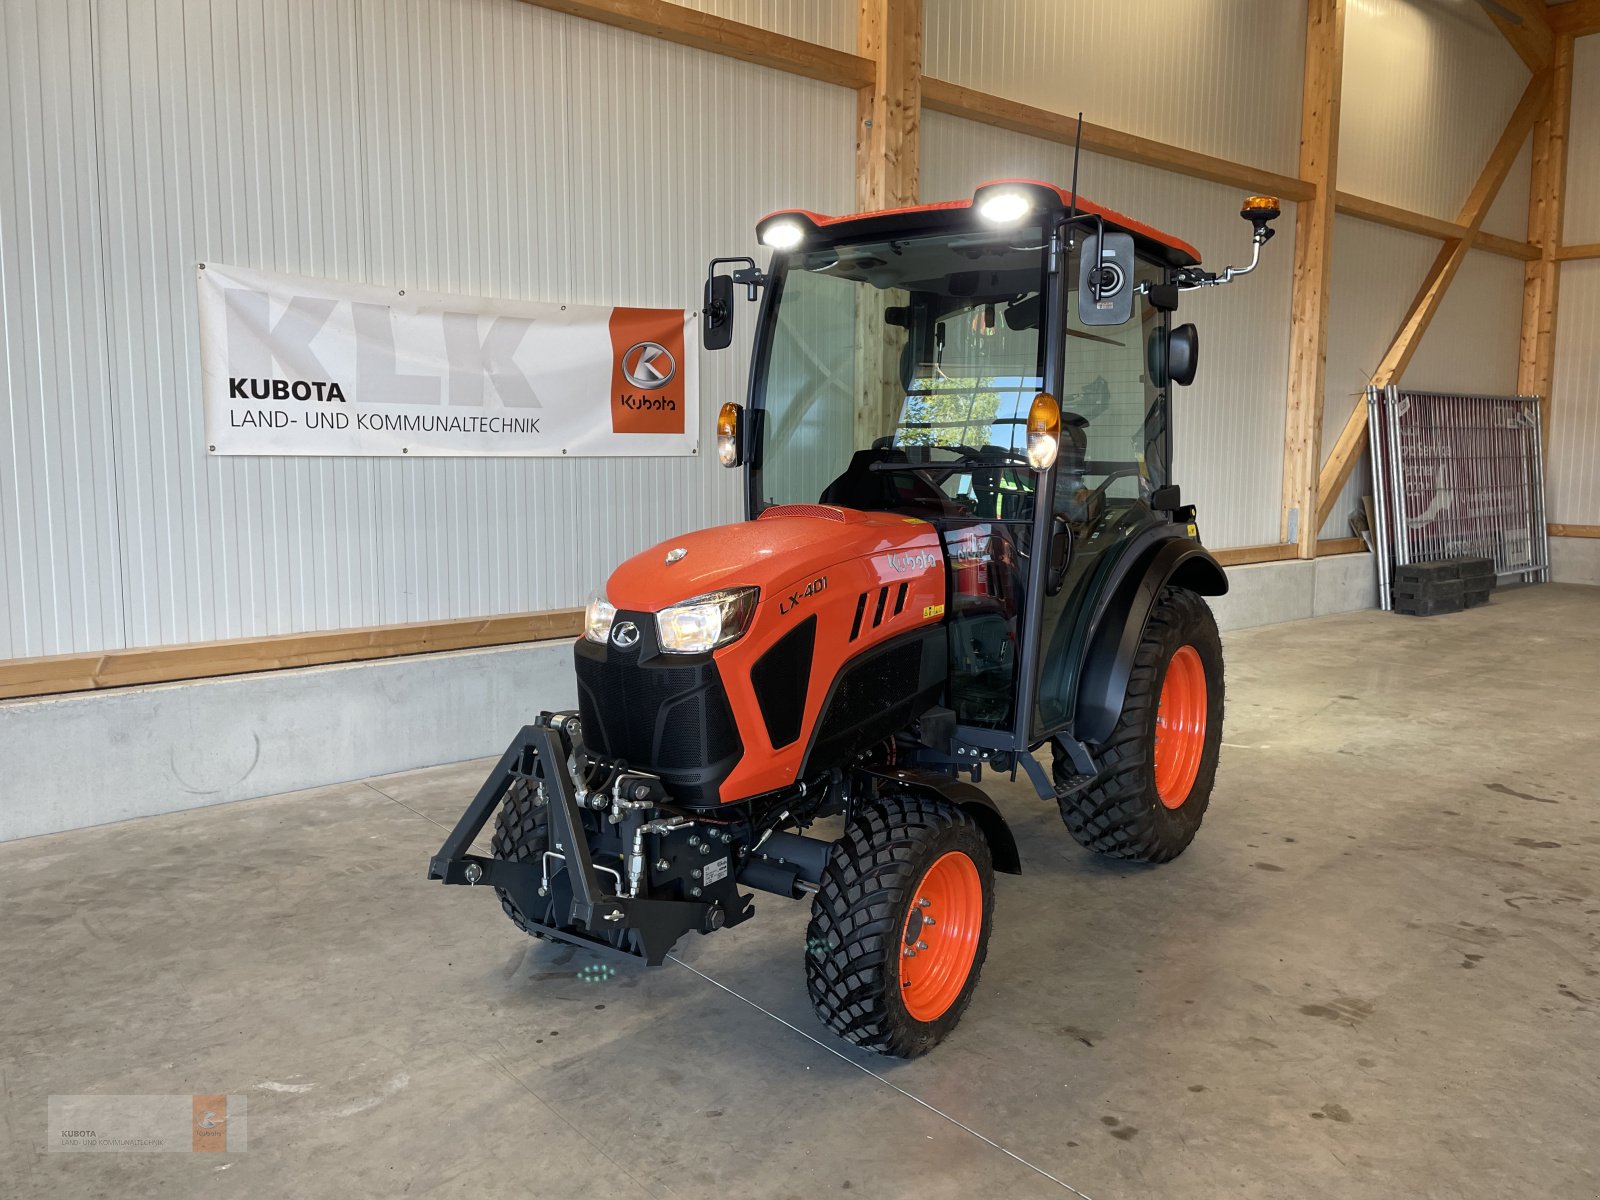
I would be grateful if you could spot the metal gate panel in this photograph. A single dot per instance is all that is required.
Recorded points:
(1457, 475)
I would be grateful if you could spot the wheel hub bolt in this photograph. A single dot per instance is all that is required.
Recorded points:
(910, 953)
(922, 903)
(922, 945)
(929, 921)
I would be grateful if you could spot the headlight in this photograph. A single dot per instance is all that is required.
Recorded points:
(706, 622)
(597, 618)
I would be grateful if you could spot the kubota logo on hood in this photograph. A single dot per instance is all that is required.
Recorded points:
(915, 560)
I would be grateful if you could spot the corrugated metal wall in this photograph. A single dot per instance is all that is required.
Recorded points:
(1471, 346)
(825, 22)
(1228, 427)
(473, 146)
(1428, 87)
(489, 147)
(1573, 476)
(1220, 76)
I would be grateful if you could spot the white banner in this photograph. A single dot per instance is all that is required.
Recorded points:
(308, 366)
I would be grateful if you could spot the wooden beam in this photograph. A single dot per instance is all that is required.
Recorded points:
(1245, 556)
(1577, 253)
(1241, 556)
(1347, 448)
(1578, 531)
(938, 95)
(1506, 247)
(1576, 19)
(718, 35)
(1428, 226)
(889, 111)
(163, 664)
(1531, 37)
(1313, 265)
(1541, 280)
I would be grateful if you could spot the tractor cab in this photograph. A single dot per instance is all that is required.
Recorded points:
(1000, 368)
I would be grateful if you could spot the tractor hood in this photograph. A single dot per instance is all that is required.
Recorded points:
(786, 543)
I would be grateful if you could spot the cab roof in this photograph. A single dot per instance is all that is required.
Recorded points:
(1167, 249)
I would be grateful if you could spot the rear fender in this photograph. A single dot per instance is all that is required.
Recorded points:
(970, 799)
(1108, 663)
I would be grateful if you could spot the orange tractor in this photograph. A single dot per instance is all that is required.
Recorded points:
(963, 546)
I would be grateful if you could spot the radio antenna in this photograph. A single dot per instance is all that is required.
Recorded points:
(1077, 147)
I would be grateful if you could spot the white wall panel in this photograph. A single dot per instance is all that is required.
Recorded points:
(1228, 427)
(1473, 342)
(59, 588)
(1428, 88)
(1376, 273)
(1470, 346)
(1572, 477)
(1508, 215)
(475, 146)
(825, 22)
(1582, 209)
(1218, 76)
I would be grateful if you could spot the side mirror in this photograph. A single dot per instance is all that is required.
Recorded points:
(1105, 279)
(1183, 354)
(716, 314)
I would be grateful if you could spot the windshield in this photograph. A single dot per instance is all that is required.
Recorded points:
(920, 349)
(928, 351)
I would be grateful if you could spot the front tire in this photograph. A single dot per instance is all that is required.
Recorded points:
(521, 834)
(1159, 763)
(900, 925)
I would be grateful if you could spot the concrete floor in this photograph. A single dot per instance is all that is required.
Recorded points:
(1375, 974)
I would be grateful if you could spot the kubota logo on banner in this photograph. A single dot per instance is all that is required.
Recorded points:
(302, 366)
(647, 392)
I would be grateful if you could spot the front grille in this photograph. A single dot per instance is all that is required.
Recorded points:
(670, 719)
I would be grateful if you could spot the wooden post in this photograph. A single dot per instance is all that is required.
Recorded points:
(1353, 437)
(888, 165)
(1541, 281)
(1313, 240)
(888, 158)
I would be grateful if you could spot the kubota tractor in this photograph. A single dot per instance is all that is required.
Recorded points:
(963, 545)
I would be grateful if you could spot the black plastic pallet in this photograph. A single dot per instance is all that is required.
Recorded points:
(1435, 607)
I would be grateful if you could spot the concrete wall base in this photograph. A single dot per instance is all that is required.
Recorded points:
(86, 759)
(1575, 560)
(1267, 593)
(79, 760)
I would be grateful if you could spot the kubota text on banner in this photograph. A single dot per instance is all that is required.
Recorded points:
(316, 367)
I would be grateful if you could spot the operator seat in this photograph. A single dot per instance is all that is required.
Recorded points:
(862, 488)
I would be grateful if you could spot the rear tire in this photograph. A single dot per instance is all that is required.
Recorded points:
(1159, 763)
(521, 834)
(898, 851)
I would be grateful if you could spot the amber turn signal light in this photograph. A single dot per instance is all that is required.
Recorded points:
(728, 450)
(1044, 431)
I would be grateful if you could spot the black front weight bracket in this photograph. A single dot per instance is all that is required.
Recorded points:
(539, 753)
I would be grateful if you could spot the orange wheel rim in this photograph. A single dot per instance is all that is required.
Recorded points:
(1180, 726)
(941, 936)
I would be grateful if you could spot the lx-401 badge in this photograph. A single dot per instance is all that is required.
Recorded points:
(819, 584)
